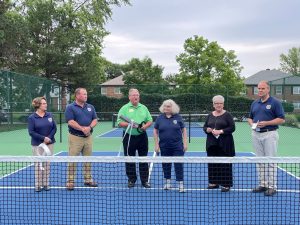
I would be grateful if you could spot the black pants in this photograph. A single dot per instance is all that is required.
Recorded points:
(137, 143)
(219, 173)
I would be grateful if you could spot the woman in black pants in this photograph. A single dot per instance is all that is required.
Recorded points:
(219, 127)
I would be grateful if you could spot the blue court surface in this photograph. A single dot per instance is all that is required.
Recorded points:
(118, 132)
(114, 203)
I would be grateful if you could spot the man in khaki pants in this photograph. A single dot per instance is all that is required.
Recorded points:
(266, 114)
(81, 118)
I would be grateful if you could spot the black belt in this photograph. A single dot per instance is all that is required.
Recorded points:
(266, 130)
(79, 135)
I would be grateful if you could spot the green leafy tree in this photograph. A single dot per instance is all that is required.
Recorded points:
(143, 75)
(59, 34)
(206, 63)
(290, 63)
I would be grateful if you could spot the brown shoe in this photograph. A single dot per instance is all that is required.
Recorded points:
(91, 184)
(70, 186)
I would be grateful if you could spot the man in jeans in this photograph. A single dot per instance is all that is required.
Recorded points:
(266, 114)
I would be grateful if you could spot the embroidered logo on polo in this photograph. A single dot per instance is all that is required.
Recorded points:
(175, 121)
(89, 109)
(268, 106)
(50, 120)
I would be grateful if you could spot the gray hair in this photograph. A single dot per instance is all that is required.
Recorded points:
(218, 98)
(174, 107)
(133, 90)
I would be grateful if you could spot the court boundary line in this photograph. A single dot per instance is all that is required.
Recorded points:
(23, 168)
(99, 135)
(152, 188)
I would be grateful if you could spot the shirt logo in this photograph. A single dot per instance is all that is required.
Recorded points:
(268, 106)
(130, 110)
(50, 120)
(89, 109)
(175, 121)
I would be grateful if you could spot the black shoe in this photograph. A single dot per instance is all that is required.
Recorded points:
(38, 189)
(225, 189)
(131, 184)
(212, 186)
(146, 185)
(270, 192)
(91, 184)
(47, 188)
(259, 189)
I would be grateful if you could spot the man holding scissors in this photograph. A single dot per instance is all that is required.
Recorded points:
(135, 138)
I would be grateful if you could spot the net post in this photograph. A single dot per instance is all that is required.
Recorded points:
(189, 127)
(60, 127)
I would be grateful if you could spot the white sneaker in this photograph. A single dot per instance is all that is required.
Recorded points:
(181, 187)
(167, 185)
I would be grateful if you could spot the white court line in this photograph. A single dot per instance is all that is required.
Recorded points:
(16, 171)
(106, 132)
(142, 188)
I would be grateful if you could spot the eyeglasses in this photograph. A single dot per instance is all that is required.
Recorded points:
(218, 103)
(44, 103)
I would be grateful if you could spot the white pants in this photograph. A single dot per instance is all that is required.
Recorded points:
(266, 144)
(41, 175)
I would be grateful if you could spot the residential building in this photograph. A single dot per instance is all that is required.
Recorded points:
(112, 88)
(283, 86)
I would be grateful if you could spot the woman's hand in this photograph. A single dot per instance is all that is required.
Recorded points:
(209, 130)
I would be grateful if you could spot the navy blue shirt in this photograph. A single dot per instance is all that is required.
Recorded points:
(82, 115)
(41, 127)
(266, 111)
(170, 131)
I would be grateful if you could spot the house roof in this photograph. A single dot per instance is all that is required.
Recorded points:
(268, 75)
(117, 81)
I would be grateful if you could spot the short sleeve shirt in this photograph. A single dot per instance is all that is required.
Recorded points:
(138, 114)
(170, 131)
(266, 111)
(82, 115)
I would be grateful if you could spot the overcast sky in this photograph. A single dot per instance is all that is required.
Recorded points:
(257, 30)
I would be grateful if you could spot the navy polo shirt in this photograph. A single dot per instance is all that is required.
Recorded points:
(170, 131)
(266, 111)
(41, 127)
(82, 115)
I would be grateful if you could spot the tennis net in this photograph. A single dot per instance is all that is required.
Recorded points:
(112, 202)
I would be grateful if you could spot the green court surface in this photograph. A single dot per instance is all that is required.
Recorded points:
(17, 142)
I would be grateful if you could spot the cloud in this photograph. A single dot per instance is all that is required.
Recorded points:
(258, 30)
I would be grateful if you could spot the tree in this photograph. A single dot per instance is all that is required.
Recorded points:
(59, 34)
(144, 75)
(206, 63)
(290, 63)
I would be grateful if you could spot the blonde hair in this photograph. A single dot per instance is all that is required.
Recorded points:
(218, 97)
(174, 107)
(36, 102)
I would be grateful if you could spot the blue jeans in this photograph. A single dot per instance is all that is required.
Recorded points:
(167, 166)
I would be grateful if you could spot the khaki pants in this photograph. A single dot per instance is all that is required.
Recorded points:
(77, 146)
(265, 144)
(41, 170)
